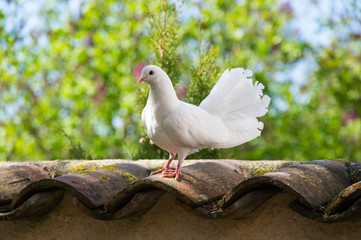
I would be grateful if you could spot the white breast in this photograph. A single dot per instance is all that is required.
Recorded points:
(155, 130)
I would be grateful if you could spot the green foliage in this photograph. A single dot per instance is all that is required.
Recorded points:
(163, 35)
(80, 80)
(204, 73)
(337, 90)
(76, 150)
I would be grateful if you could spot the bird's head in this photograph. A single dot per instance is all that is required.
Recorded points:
(150, 74)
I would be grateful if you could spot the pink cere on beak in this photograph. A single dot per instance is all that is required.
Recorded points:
(141, 79)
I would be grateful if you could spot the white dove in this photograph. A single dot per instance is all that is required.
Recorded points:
(227, 117)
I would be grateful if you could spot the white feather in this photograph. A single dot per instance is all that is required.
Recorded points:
(238, 102)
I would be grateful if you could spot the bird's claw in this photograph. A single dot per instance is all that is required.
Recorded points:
(163, 170)
(167, 174)
(171, 174)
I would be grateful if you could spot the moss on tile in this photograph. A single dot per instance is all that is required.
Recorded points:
(83, 167)
(109, 168)
(159, 167)
(308, 180)
(261, 170)
(130, 177)
(105, 177)
(90, 167)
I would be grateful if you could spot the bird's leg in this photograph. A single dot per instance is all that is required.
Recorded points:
(176, 173)
(166, 166)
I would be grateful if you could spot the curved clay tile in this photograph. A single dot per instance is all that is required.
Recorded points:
(15, 177)
(314, 184)
(111, 189)
(93, 185)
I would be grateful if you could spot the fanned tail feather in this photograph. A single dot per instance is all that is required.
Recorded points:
(237, 102)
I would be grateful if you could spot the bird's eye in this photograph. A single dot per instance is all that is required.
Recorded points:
(151, 72)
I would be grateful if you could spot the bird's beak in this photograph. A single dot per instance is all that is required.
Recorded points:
(141, 79)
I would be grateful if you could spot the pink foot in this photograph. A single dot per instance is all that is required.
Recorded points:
(166, 166)
(171, 174)
(163, 170)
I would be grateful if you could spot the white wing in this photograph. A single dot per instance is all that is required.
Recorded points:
(237, 102)
(193, 127)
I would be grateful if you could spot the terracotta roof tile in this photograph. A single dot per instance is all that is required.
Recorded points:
(324, 190)
(15, 177)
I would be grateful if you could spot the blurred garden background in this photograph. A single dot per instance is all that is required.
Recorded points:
(68, 72)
